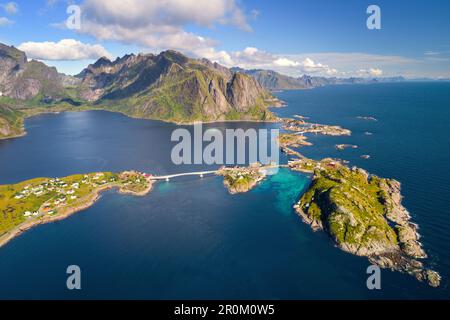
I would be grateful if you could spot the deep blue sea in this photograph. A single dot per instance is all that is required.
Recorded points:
(190, 239)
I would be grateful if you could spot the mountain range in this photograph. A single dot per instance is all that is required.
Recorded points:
(274, 81)
(168, 86)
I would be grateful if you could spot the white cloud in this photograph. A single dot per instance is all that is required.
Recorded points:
(432, 53)
(66, 49)
(253, 58)
(5, 21)
(375, 72)
(159, 24)
(372, 72)
(11, 7)
(353, 60)
(283, 62)
(163, 24)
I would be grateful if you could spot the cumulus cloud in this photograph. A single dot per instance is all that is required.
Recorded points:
(372, 72)
(284, 62)
(297, 65)
(375, 72)
(159, 24)
(5, 21)
(253, 58)
(66, 49)
(11, 7)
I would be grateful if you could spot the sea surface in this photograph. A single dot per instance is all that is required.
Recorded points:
(190, 239)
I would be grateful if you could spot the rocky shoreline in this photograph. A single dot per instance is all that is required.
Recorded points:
(364, 216)
(242, 179)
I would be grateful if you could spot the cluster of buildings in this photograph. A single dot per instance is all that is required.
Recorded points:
(57, 193)
(63, 190)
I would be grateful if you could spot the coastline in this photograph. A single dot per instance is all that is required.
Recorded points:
(34, 113)
(84, 204)
(384, 259)
(363, 214)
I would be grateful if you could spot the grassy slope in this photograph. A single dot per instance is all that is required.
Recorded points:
(350, 207)
(181, 97)
(12, 210)
(11, 119)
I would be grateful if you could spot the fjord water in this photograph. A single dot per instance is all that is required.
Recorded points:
(190, 239)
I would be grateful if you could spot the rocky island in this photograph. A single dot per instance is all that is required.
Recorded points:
(287, 141)
(368, 118)
(242, 179)
(346, 146)
(42, 200)
(363, 215)
(300, 125)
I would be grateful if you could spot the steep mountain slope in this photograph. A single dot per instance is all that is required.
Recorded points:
(25, 80)
(10, 122)
(272, 80)
(173, 87)
(168, 86)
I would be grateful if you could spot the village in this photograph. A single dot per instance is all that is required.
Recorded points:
(49, 196)
(242, 179)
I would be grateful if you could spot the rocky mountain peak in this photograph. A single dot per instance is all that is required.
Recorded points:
(24, 80)
(169, 86)
(102, 62)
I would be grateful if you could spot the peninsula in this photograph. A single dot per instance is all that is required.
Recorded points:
(363, 215)
(42, 200)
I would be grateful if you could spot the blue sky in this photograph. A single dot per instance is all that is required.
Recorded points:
(293, 37)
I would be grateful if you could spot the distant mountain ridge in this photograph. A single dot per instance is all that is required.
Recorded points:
(272, 80)
(27, 80)
(171, 86)
(168, 86)
(10, 122)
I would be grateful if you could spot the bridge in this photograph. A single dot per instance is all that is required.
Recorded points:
(201, 174)
(171, 176)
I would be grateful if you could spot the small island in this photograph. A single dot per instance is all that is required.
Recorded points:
(242, 179)
(363, 215)
(42, 200)
(368, 118)
(287, 141)
(300, 125)
(296, 129)
(346, 146)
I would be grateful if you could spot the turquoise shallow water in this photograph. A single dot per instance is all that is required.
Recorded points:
(190, 239)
